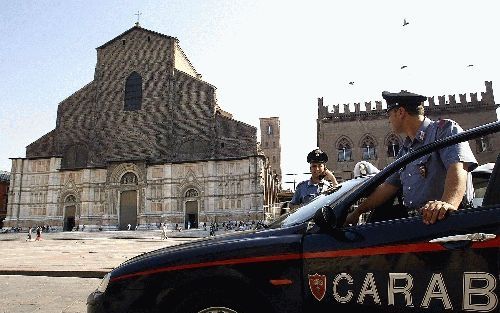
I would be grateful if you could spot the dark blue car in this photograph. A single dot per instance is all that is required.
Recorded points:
(307, 261)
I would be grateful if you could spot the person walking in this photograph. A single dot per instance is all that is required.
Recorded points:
(38, 233)
(164, 232)
(30, 232)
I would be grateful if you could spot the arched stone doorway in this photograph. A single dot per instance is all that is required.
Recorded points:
(191, 219)
(128, 202)
(191, 209)
(69, 213)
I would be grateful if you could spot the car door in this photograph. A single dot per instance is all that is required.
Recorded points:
(449, 266)
(402, 264)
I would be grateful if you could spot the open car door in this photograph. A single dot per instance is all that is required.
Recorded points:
(402, 264)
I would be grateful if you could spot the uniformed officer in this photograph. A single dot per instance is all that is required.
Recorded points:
(312, 187)
(433, 184)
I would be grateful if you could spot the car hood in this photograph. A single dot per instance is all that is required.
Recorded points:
(221, 248)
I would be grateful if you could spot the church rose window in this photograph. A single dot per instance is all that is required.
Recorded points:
(133, 92)
(344, 150)
(129, 178)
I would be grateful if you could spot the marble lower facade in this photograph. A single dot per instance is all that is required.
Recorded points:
(135, 194)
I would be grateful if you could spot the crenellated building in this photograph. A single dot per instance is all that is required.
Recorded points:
(352, 133)
(145, 142)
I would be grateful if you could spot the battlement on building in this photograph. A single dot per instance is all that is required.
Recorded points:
(369, 110)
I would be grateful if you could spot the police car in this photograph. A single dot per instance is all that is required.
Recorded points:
(307, 261)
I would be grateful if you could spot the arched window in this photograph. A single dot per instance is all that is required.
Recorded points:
(191, 193)
(392, 146)
(368, 148)
(133, 92)
(344, 150)
(129, 179)
(482, 144)
(269, 129)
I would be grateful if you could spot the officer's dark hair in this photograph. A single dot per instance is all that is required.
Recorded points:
(414, 110)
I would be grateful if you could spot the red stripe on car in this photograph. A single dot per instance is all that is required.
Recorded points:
(393, 249)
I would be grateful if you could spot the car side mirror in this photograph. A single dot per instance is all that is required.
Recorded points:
(325, 218)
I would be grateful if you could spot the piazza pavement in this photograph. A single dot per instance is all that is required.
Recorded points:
(57, 273)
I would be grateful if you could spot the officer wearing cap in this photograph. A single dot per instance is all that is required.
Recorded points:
(433, 184)
(312, 187)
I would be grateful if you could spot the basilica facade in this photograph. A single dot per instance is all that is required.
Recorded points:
(145, 142)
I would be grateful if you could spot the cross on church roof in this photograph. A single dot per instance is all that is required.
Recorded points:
(138, 17)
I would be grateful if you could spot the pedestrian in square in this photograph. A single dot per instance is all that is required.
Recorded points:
(38, 233)
(30, 232)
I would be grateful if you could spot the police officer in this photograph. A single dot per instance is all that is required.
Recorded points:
(433, 184)
(312, 187)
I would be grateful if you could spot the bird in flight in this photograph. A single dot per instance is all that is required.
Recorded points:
(351, 83)
(405, 22)
(404, 66)
(470, 65)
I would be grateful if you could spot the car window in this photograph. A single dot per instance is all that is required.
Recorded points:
(396, 207)
(329, 197)
(480, 177)
(480, 185)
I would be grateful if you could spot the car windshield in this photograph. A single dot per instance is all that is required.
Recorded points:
(329, 197)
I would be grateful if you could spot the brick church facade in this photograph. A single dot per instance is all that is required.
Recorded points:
(144, 142)
(356, 133)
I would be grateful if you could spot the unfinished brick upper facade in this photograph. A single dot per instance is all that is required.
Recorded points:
(178, 120)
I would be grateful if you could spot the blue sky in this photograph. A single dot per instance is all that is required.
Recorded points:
(266, 58)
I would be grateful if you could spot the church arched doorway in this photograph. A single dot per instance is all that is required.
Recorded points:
(69, 213)
(128, 202)
(191, 218)
(69, 217)
(191, 197)
(128, 209)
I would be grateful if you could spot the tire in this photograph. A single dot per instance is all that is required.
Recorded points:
(217, 310)
(215, 301)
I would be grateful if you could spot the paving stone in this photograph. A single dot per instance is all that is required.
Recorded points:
(50, 275)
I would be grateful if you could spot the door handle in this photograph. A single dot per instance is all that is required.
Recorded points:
(468, 237)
